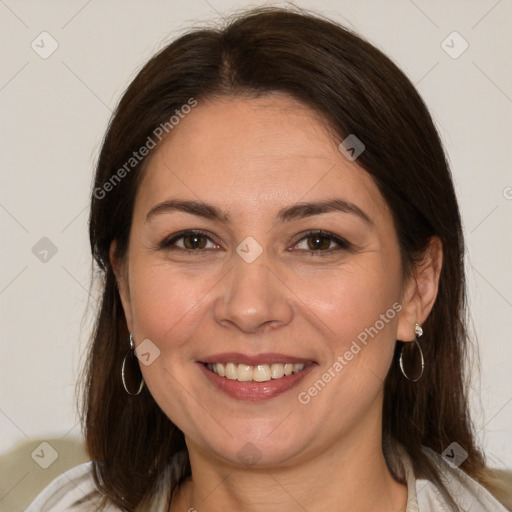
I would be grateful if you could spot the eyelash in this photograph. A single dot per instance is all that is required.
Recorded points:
(168, 243)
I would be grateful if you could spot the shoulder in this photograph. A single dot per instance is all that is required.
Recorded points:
(75, 491)
(72, 491)
(466, 492)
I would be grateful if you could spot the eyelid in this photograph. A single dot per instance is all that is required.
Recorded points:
(343, 244)
(169, 241)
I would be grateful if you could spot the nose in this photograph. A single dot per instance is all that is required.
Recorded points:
(253, 298)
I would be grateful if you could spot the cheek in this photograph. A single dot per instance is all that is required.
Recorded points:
(359, 308)
(353, 297)
(168, 308)
(164, 300)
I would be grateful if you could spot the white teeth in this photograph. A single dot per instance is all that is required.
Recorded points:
(230, 371)
(277, 371)
(244, 373)
(219, 369)
(258, 373)
(261, 373)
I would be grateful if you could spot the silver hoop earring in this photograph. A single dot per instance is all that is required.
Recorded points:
(418, 331)
(131, 358)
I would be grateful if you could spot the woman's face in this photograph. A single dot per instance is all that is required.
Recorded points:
(255, 288)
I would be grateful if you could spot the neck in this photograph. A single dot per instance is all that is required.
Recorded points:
(350, 475)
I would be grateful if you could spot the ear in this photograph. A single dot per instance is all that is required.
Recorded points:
(120, 269)
(420, 291)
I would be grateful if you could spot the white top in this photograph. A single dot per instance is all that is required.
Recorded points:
(77, 485)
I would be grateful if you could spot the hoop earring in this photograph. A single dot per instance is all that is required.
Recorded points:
(418, 331)
(133, 361)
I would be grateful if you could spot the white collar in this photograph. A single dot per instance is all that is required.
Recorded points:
(425, 496)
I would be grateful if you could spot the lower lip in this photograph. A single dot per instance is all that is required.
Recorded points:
(255, 390)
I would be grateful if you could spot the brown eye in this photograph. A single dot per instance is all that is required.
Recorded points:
(194, 241)
(318, 242)
(189, 241)
(321, 242)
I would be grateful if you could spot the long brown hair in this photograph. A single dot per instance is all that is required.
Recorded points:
(358, 90)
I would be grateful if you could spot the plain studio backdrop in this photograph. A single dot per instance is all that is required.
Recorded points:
(64, 68)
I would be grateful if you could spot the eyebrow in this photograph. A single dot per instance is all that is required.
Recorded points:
(294, 212)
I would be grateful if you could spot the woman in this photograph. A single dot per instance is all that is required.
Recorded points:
(282, 323)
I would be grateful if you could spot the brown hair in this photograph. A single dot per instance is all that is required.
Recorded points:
(358, 90)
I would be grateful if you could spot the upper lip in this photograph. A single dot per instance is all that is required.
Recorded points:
(254, 359)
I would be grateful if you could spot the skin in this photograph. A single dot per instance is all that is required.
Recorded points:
(250, 158)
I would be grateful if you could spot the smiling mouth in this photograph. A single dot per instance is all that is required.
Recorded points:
(257, 373)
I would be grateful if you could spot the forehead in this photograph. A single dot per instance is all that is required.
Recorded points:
(255, 154)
